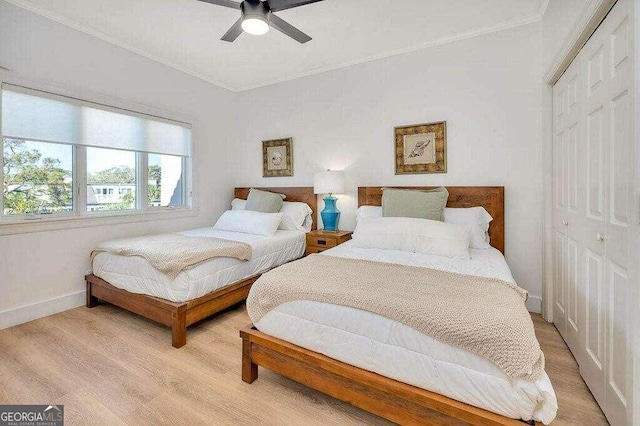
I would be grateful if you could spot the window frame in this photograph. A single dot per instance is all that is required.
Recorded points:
(79, 216)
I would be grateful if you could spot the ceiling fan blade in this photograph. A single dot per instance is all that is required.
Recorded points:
(278, 5)
(234, 32)
(225, 3)
(288, 29)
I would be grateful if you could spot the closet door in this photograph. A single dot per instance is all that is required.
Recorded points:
(574, 223)
(568, 206)
(596, 119)
(594, 205)
(619, 228)
(610, 150)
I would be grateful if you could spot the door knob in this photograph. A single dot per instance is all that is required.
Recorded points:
(600, 237)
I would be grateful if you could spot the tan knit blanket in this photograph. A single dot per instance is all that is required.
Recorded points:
(483, 315)
(173, 253)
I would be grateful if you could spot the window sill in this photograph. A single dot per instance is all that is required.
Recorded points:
(66, 222)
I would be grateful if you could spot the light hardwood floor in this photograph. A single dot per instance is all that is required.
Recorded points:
(108, 366)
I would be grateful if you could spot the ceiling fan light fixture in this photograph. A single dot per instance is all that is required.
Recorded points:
(258, 15)
(255, 25)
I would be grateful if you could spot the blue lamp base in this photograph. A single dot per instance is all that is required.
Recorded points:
(330, 215)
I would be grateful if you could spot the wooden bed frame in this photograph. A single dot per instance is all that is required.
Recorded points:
(393, 400)
(180, 315)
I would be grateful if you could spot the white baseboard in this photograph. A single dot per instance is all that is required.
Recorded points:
(42, 309)
(534, 304)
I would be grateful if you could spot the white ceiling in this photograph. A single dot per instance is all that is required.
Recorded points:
(185, 34)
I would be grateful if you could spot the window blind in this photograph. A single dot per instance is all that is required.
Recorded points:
(41, 116)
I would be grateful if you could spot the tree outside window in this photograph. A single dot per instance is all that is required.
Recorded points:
(37, 177)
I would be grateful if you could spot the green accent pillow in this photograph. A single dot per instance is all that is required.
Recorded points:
(423, 204)
(264, 201)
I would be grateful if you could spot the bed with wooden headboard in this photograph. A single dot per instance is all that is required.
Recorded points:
(388, 398)
(180, 315)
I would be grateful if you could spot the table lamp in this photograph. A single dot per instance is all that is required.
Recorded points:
(329, 182)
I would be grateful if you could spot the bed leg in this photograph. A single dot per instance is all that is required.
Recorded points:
(179, 328)
(249, 369)
(92, 301)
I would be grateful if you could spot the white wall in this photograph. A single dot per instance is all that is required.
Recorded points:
(559, 20)
(38, 267)
(486, 88)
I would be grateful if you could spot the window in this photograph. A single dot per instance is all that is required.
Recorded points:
(165, 187)
(116, 170)
(37, 177)
(122, 155)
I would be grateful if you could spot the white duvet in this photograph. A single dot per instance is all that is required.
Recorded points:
(394, 350)
(137, 275)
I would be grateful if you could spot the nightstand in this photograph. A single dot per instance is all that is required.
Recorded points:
(319, 241)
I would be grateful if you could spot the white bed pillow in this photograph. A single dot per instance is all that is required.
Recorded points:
(477, 219)
(413, 235)
(368, 212)
(296, 215)
(249, 222)
(238, 204)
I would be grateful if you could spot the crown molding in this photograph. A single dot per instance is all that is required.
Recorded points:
(26, 5)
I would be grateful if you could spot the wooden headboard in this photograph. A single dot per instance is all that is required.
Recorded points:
(489, 197)
(303, 194)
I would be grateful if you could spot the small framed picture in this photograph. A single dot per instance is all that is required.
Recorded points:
(421, 148)
(277, 158)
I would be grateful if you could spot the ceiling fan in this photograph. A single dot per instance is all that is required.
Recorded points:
(257, 17)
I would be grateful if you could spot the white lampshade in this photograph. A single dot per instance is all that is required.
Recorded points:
(329, 182)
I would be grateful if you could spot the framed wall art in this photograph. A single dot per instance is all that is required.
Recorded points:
(277, 158)
(421, 148)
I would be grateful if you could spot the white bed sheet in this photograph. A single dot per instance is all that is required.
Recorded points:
(394, 350)
(137, 275)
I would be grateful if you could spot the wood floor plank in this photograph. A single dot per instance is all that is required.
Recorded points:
(77, 365)
(108, 366)
(165, 409)
(20, 383)
(81, 408)
(26, 370)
